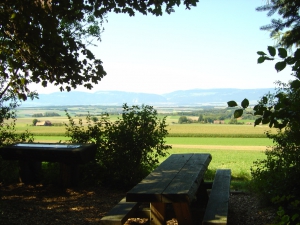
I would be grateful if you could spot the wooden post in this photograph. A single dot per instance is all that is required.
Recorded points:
(68, 175)
(183, 215)
(157, 212)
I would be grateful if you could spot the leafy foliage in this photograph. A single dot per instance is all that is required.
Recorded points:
(44, 42)
(286, 29)
(46, 114)
(279, 173)
(128, 149)
(277, 109)
(183, 119)
(47, 41)
(8, 135)
(288, 210)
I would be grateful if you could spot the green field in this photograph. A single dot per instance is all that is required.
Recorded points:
(219, 141)
(174, 129)
(231, 146)
(238, 161)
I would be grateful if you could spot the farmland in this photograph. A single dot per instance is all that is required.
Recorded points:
(232, 146)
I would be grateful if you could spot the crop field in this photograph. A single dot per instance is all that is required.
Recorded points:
(231, 146)
(217, 130)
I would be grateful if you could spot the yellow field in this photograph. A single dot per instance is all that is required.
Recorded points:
(173, 128)
(217, 129)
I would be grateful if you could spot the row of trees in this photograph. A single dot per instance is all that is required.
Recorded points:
(209, 116)
(46, 114)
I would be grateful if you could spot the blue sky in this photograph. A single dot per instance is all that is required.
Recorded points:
(212, 45)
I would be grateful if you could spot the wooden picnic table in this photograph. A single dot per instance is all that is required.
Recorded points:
(30, 156)
(178, 180)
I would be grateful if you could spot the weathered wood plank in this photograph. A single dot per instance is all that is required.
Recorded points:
(120, 213)
(183, 214)
(151, 188)
(157, 213)
(185, 184)
(217, 208)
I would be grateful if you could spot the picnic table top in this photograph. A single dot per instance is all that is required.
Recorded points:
(49, 152)
(177, 179)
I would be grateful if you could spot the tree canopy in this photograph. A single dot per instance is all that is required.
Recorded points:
(275, 177)
(46, 41)
(286, 29)
(277, 110)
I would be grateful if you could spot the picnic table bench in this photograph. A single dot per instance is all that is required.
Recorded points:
(30, 156)
(178, 181)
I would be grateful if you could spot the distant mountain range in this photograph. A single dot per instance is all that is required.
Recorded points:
(194, 97)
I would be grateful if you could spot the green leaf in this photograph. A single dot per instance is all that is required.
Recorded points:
(261, 53)
(271, 123)
(297, 54)
(232, 104)
(280, 66)
(272, 50)
(282, 53)
(265, 120)
(290, 60)
(238, 113)
(295, 216)
(265, 100)
(297, 65)
(44, 83)
(245, 103)
(267, 113)
(268, 58)
(278, 106)
(295, 84)
(259, 110)
(257, 121)
(261, 59)
(255, 108)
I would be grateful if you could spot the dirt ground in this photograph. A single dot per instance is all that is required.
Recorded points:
(32, 205)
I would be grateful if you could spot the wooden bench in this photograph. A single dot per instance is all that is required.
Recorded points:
(120, 213)
(217, 207)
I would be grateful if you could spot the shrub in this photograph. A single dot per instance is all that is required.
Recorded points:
(8, 135)
(128, 149)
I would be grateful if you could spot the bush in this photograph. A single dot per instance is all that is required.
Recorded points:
(235, 121)
(277, 177)
(8, 135)
(184, 119)
(128, 149)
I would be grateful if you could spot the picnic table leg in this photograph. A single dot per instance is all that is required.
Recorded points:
(183, 214)
(157, 213)
(202, 195)
(68, 175)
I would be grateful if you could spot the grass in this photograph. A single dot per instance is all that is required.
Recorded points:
(238, 161)
(219, 141)
(214, 130)
(189, 138)
(50, 139)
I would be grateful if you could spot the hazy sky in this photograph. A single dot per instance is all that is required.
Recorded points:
(212, 45)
